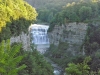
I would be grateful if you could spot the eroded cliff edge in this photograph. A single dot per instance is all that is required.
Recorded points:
(22, 38)
(72, 33)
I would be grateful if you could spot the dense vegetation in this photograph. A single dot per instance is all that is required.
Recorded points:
(58, 54)
(36, 64)
(92, 45)
(82, 11)
(75, 64)
(15, 17)
(9, 60)
(61, 12)
(80, 68)
(14, 10)
(47, 9)
(15, 61)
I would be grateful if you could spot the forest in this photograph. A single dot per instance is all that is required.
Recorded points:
(17, 15)
(75, 11)
(82, 11)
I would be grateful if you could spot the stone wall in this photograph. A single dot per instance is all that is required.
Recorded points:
(72, 33)
(22, 38)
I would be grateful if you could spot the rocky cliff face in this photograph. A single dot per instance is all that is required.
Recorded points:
(22, 38)
(72, 33)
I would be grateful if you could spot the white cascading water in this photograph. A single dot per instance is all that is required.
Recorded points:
(39, 33)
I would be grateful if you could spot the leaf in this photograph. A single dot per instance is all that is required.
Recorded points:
(2, 70)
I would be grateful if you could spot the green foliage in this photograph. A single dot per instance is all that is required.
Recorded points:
(36, 64)
(58, 54)
(61, 56)
(9, 60)
(85, 13)
(73, 69)
(15, 17)
(44, 15)
(6, 33)
(15, 28)
(80, 68)
(92, 45)
(15, 9)
(92, 39)
(15, 61)
(82, 11)
(50, 9)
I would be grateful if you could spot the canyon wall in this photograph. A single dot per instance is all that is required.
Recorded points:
(72, 33)
(22, 38)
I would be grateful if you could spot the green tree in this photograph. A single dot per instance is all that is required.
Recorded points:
(9, 60)
(73, 69)
(36, 64)
(85, 13)
(50, 17)
(43, 15)
(15, 9)
(15, 18)
(94, 7)
(80, 68)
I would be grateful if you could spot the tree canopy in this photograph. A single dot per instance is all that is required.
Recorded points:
(15, 9)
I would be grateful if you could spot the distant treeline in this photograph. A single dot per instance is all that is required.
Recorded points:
(82, 11)
(78, 12)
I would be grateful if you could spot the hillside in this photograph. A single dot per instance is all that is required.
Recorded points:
(15, 18)
(59, 14)
(71, 43)
(61, 11)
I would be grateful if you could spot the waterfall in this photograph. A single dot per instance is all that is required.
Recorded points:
(41, 40)
(39, 34)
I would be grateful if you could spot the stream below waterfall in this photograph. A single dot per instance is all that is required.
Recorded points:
(57, 69)
(42, 48)
(40, 39)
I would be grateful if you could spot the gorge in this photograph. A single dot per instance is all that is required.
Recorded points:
(72, 33)
(63, 39)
